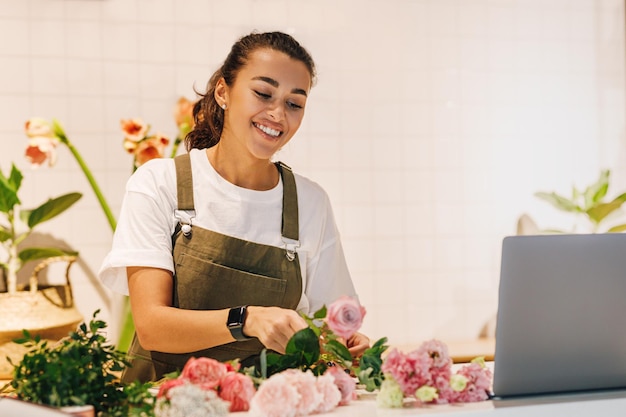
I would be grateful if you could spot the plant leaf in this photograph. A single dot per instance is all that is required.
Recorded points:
(304, 345)
(52, 208)
(31, 254)
(618, 228)
(599, 211)
(597, 191)
(559, 201)
(4, 234)
(8, 190)
(340, 350)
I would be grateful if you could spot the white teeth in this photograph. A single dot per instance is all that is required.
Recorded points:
(268, 130)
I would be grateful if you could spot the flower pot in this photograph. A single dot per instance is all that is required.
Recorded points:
(79, 410)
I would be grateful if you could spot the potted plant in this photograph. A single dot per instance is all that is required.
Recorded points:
(81, 369)
(19, 223)
(590, 203)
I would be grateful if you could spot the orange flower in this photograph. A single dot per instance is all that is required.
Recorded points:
(42, 142)
(183, 112)
(134, 130)
(150, 148)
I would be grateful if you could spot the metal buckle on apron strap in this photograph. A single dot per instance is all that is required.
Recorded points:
(184, 218)
(290, 248)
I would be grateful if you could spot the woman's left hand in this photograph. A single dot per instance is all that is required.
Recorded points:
(357, 344)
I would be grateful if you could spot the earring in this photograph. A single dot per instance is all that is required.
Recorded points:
(224, 106)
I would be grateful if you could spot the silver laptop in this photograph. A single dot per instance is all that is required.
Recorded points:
(561, 323)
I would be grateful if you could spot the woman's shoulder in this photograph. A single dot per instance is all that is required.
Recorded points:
(156, 174)
(310, 189)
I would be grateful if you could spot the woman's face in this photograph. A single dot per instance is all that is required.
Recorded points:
(265, 104)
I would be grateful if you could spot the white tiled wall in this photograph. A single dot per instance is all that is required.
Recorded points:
(432, 125)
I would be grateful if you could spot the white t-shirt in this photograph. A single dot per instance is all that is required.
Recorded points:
(147, 221)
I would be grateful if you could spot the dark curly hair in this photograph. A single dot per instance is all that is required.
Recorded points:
(208, 115)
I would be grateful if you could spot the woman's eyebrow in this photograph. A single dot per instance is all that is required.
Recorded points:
(275, 83)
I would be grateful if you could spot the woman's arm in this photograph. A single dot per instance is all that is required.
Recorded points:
(164, 328)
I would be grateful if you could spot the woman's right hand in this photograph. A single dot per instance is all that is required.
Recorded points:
(273, 326)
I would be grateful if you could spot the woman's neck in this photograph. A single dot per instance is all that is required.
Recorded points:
(250, 173)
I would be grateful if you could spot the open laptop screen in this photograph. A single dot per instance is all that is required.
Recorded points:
(561, 322)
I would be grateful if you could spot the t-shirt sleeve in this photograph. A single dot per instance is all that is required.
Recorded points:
(145, 226)
(328, 277)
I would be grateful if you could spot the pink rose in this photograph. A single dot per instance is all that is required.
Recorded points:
(238, 390)
(345, 316)
(276, 397)
(204, 371)
(325, 384)
(345, 383)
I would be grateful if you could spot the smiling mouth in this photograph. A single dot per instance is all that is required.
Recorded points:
(268, 130)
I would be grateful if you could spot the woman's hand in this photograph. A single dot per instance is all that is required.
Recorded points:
(273, 326)
(357, 344)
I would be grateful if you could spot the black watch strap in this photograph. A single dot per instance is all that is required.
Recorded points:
(235, 322)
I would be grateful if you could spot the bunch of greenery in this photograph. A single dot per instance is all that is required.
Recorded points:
(590, 203)
(19, 223)
(81, 369)
(315, 348)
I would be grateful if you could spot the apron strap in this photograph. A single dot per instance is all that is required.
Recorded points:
(184, 182)
(290, 227)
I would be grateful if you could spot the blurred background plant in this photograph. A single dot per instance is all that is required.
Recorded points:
(44, 136)
(18, 224)
(591, 204)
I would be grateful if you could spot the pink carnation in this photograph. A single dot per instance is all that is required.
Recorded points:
(325, 384)
(276, 397)
(410, 370)
(345, 316)
(478, 383)
(238, 390)
(204, 371)
(345, 383)
(438, 352)
(304, 382)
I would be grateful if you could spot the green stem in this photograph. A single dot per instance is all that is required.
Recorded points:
(175, 146)
(92, 181)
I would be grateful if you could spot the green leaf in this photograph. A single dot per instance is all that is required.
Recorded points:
(559, 202)
(31, 254)
(599, 211)
(340, 350)
(4, 234)
(321, 313)
(618, 228)
(596, 192)
(8, 190)
(304, 345)
(52, 208)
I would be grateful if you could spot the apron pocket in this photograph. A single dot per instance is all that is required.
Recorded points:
(204, 285)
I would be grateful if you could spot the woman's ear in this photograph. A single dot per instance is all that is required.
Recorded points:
(221, 93)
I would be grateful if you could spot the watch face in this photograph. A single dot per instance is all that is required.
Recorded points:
(236, 316)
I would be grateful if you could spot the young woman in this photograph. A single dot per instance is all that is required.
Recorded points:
(219, 249)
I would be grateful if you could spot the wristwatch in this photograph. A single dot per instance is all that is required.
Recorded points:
(235, 322)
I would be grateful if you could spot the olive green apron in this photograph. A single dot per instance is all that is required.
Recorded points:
(215, 271)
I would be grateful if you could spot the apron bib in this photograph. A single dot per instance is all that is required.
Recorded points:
(215, 271)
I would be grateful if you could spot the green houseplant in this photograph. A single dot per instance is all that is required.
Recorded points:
(81, 369)
(18, 223)
(591, 203)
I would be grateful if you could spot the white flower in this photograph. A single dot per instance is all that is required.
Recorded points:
(390, 394)
(189, 400)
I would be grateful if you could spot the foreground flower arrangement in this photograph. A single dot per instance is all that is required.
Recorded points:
(317, 374)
